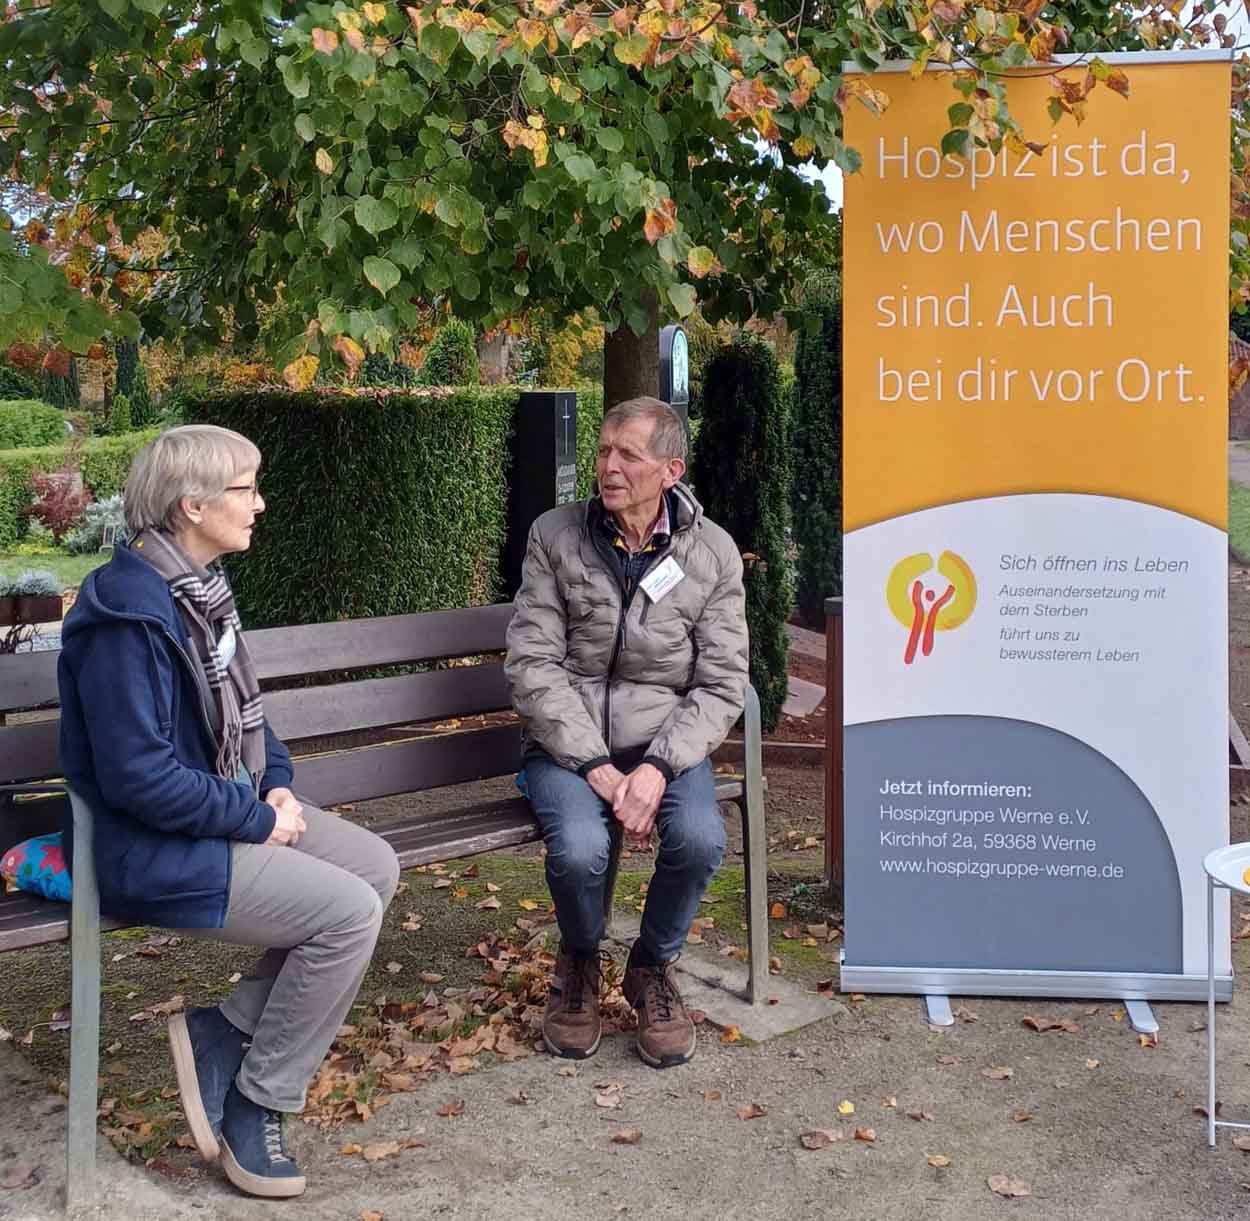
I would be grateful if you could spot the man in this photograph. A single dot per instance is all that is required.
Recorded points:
(627, 659)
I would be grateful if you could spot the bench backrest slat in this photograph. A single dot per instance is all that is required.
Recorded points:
(30, 751)
(312, 712)
(28, 680)
(409, 766)
(319, 648)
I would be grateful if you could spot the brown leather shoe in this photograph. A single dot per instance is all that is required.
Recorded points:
(665, 1032)
(571, 1023)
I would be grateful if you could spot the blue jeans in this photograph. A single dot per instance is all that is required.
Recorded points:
(575, 824)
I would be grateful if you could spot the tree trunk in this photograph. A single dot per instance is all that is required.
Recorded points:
(631, 363)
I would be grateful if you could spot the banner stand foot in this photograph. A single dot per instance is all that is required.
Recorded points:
(1141, 1017)
(938, 1009)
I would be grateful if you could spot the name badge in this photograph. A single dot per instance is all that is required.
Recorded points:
(662, 578)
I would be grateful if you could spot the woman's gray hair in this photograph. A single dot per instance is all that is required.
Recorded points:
(669, 438)
(197, 461)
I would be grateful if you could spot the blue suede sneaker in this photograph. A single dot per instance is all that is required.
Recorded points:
(207, 1051)
(253, 1153)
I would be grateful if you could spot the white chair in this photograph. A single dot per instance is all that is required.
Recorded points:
(1227, 869)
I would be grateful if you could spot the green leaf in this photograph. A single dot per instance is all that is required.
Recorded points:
(957, 143)
(375, 216)
(381, 273)
(468, 285)
(114, 8)
(305, 128)
(580, 168)
(255, 51)
(610, 139)
(683, 298)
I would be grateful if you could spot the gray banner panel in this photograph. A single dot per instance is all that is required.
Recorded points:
(982, 843)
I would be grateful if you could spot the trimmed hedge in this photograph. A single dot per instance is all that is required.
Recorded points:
(375, 505)
(816, 502)
(589, 420)
(451, 358)
(741, 473)
(105, 465)
(14, 384)
(25, 423)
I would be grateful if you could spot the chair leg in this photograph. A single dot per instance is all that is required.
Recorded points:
(609, 888)
(755, 845)
(84, 1056)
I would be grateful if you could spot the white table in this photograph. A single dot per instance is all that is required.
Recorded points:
(1226, 868)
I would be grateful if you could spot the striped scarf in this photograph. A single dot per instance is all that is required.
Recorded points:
(229, 691)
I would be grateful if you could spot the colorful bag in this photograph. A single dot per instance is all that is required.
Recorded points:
(38, 866)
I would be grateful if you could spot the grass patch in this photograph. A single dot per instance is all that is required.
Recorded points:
(1239, 521)
(68, 569)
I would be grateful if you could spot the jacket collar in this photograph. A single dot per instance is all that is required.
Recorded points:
(126, 588)
(684, 511)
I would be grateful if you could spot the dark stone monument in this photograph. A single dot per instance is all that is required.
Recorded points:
(543, 473)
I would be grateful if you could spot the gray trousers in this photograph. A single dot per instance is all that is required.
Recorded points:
(317, 909)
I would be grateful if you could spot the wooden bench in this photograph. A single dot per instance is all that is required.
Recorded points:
(318, 718)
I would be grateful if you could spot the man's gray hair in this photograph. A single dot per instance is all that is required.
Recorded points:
(197, 461)
(669, 438)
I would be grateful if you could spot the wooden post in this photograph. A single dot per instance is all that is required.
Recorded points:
(833, 745)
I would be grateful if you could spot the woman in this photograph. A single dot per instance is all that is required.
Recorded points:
(196, 827)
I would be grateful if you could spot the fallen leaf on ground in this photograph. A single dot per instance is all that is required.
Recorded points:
(528, 905)
(488, 905)
(493, 887)
(20, 1174)
(627, 1136)
(821, 1138)
(442, 884)
(1041, 1025)
(369, 1214)
(731, 1034)
(948, 1060)
(380, 1149)
(867, 1135)
(939, 1160)
(394, 968)
(566, 1070)
(449, 1110)
(711, 1095)
(967, 1016)
(846, 1107)
(1092, 1063)
(998, 1073)
(609, 1095)
(1242, 1142)
(520, 1099)
(777, 911)
(753, 1110)
(1147, 1040)
(919, 1116)
(856, 997)
(350, 1149)
(1202, 1110)
(1022, 1116)
(429, 977)
(1013, 1189)
(889, 1102)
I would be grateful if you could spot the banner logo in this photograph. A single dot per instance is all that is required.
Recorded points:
(925, 604)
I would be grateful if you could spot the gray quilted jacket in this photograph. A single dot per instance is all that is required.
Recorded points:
(596, 674)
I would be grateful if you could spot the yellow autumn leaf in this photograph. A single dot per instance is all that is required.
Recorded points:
(555, 84)
(348, 19)
(299, 373)
(325, 41)
(532, 32)
(350, 353)
(325, 163)
(846, 1107)
(701, 261)
(804, 147)
(375, 14)
(536, 121)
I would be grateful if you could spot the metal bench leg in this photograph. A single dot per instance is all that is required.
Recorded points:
(755, 845)
(84, 1055)
(609, 889)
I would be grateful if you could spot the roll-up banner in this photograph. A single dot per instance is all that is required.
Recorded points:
(1035, 508)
